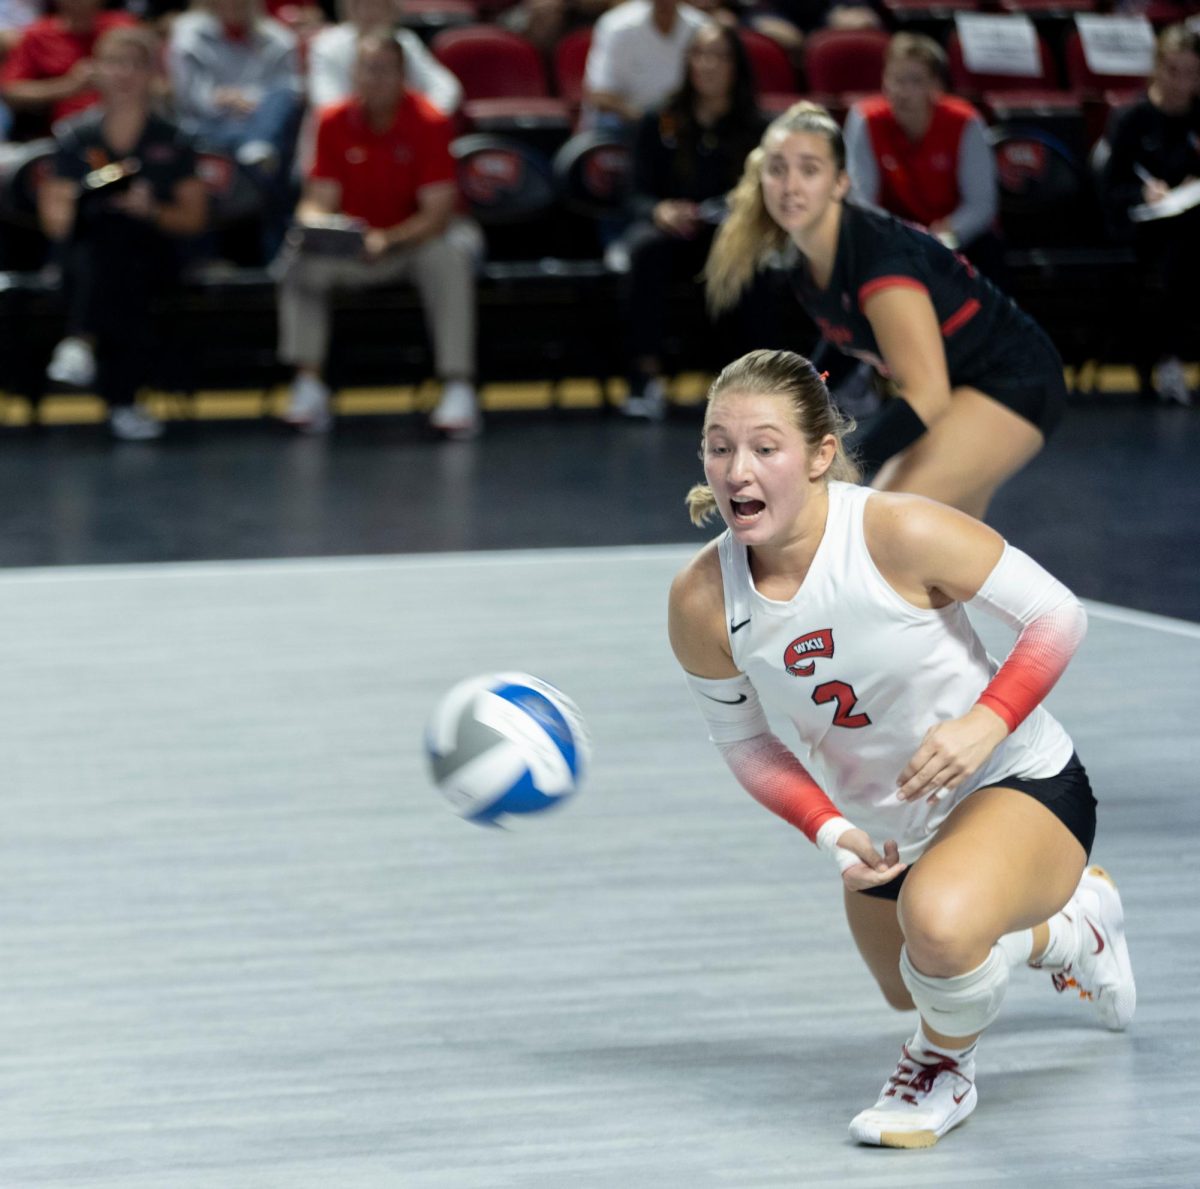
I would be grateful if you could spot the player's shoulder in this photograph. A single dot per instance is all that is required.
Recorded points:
(956, 110)
(873, 108)
(423, 110)
(882, 245)
(697, 589)
(696, 615)
(899, 528)
(874, 230)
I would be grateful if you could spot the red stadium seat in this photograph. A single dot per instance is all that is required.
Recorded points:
(570, 63)
(492, 63)
(772, 68)
(504, 83)
(1081, 78)
(841, 60)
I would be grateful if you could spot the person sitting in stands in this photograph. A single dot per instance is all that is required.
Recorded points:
(1154, 146)
(50, 72)
(637, 59)
(382, 159)
(687, 157)
(923, 155)
(332, 52)
(124, 193)
(235, 76)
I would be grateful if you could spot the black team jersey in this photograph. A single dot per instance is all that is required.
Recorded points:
(983, 329)
(164, 155)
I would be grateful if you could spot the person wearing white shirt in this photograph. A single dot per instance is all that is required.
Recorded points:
(332, 52)
(637, 58)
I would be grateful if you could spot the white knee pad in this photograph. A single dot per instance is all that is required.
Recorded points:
(963, 1005)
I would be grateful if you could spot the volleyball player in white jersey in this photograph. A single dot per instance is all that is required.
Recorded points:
(950, 798)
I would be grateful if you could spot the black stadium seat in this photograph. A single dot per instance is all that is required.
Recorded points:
(510, 189)
(1046, 199)
(593, 171)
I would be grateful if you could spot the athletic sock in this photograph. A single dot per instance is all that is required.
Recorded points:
(1063, 945)
(924, 1050)
(1016, 947)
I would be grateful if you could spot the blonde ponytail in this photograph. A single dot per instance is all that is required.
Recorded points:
(749, 235)
(746, 238)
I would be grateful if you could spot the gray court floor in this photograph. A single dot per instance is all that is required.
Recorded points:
(246, 944)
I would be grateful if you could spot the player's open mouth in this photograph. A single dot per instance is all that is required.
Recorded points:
(746, 510)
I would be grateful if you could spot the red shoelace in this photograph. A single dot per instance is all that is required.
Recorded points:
(913, 1077)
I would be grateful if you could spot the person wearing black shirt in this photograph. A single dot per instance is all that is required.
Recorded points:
(1154, 146)
(978, 384)
(124, 191)
(686, 157)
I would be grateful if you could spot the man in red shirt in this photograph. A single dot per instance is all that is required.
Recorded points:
(382, 159)
(50, 72)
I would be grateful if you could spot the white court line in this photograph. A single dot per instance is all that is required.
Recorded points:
(374, 563)
(1143, 619)
(359, 563)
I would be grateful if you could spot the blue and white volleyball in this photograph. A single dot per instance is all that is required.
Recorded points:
(506, 745)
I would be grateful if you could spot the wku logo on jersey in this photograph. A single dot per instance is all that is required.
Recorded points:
(800, 655)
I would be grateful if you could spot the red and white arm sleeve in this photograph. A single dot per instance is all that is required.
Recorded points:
(764, 766)
(1050, 623)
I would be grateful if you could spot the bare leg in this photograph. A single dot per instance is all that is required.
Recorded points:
(966, 454)
(875, 927)
(1000, 863)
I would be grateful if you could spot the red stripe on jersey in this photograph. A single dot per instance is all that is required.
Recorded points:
(894, 281)
(960, 317)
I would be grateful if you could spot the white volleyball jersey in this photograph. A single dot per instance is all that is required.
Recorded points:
(862, 674)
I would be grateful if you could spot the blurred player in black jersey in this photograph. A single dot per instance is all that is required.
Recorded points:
(978, 385)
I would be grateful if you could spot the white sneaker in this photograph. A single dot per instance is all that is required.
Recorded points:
(457, 414)
(1101, 972)
(919, 1103)
(73, 363)
(1170, 382)
(649, 403)
(131, 424)
(308, 405)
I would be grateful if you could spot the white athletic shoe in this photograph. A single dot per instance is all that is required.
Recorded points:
(308, 405)
(73, 363)
(646, 403)
(918, 1104)
(1170, 382)
(1101, 972)
(457, 413)
(131, 424)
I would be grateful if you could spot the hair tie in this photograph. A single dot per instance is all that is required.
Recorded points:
(824, 377)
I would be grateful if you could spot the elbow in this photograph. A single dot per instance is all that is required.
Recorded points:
(930, 401)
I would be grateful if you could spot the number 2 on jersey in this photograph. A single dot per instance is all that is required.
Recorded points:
(844, 695)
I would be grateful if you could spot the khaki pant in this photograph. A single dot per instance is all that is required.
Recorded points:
(442, 268)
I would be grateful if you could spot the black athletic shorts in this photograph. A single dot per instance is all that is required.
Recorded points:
(1068, 795)
(1023, 373)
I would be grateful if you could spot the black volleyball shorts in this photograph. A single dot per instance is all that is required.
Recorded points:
(1067, 794)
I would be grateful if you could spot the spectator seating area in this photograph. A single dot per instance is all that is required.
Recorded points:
(542, 190)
